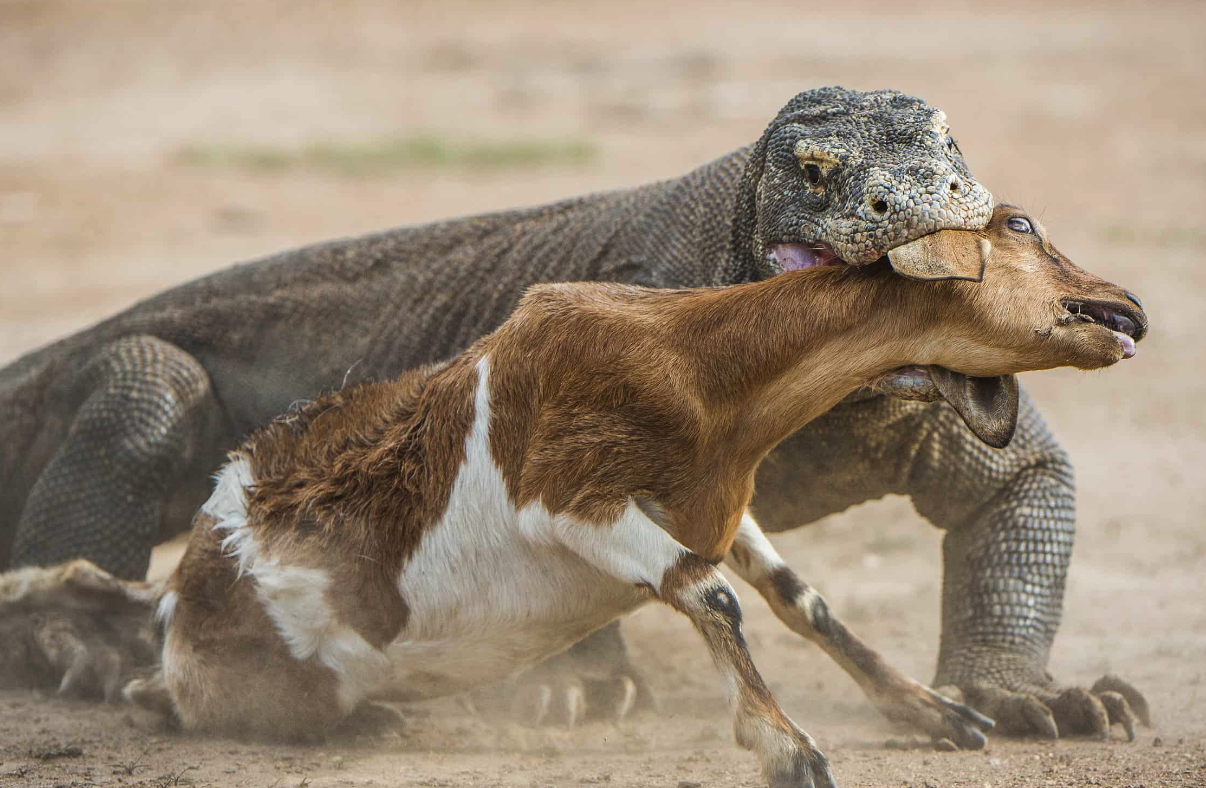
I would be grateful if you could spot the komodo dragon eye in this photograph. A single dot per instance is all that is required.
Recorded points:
(953, 146)
(1019, 225)
(812, 173)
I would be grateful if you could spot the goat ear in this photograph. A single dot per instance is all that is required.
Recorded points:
(989, 406)
(946, 254)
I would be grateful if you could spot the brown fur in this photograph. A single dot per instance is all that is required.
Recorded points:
(608, 392)
(351, 481)
(600, 394)
(241, 678)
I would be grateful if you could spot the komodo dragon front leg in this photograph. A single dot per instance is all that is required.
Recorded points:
(138, 449)
(1009, 517)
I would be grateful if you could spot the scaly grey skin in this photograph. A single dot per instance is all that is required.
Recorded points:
(109, 436)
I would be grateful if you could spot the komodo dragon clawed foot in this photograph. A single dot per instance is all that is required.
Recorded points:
(595, 681)
(1050, 712)
(75, 627)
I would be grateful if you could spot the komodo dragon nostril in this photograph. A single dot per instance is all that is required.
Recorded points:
(1134, 299)
(879, 206)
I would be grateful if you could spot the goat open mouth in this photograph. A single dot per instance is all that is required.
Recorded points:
(1128, 324)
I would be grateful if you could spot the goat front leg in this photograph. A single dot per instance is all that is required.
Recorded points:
(803, 610)
(636, 550)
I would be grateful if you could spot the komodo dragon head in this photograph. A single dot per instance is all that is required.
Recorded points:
(843, 176)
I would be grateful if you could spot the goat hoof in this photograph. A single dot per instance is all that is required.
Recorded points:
(809, 768)
(936, 714)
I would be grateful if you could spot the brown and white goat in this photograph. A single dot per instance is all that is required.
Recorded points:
(418, 537)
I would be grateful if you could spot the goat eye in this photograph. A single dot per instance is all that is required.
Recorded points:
(812, 173)
(1019, 225)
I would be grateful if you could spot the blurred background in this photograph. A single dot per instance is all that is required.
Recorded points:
(147, 142)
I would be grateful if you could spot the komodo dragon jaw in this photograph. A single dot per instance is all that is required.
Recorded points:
(841, 176)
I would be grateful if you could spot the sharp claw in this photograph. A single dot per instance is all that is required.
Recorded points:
(1041, 720)
(1080, 712)
(1119, 711)
(575, 705)
(1048, 713)
(627, 698)
(1097, 719)
(1134, 698)
(72, 683)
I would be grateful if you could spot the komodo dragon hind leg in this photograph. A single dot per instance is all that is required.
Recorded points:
(75, 627)
(143, 437)
(593, 679)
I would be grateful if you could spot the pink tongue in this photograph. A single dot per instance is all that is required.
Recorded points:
(1128, 344)
(794, 257)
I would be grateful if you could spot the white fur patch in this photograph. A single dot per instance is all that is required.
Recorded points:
(490, 590)
(228, 506)
(763, 557)
(293, 596)
(493, 590)
(165, 611)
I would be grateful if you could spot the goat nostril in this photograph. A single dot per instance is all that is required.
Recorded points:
(879, 206)
(1134, 299)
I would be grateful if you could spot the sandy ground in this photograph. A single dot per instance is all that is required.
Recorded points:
(1091, 114)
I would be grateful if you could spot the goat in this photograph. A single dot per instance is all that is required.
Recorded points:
(418, 537)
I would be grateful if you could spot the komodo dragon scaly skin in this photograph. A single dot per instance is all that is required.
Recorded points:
(109, 436)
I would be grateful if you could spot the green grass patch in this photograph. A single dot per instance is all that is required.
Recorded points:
(415, 152)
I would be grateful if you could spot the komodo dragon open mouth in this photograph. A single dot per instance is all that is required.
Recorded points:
(796, 257)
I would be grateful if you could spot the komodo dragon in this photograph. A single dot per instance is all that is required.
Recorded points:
(110, 435)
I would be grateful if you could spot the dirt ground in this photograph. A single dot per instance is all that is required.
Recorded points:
(146, 142)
